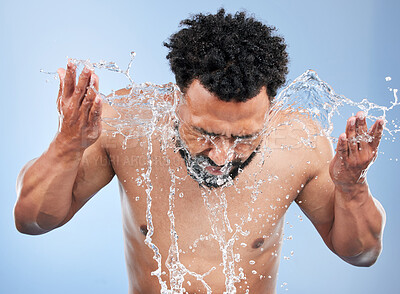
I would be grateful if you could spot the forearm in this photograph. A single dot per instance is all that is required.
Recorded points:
(359, 219)
(44, 189)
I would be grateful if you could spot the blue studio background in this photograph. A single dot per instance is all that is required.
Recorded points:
(353, 45)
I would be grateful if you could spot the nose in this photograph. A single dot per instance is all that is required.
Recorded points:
(221, 152)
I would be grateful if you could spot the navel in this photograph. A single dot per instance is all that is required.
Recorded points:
(143, 229)
(258, 243)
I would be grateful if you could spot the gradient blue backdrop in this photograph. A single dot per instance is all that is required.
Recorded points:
(353, 45)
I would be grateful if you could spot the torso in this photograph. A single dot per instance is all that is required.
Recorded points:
(251, 228)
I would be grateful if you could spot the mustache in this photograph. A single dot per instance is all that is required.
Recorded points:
(205, 159)
(200, 158)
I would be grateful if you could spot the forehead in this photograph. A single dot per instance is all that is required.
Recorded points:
(204, 110)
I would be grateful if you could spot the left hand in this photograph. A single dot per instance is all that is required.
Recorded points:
(356, 150)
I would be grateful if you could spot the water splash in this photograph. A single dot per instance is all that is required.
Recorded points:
(155, 115)
(310, 95)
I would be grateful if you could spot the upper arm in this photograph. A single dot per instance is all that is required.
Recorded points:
(316, 199)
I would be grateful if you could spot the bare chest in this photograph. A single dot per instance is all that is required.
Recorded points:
(249, 213)
(219, 234)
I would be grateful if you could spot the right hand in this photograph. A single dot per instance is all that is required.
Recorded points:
(79, 108)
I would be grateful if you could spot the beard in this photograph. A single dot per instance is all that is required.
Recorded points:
(195, 166)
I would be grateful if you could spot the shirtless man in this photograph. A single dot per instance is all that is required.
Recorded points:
(229, 69)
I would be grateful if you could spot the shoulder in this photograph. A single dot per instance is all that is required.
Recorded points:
(129, 111)
(113, 117)
(296, 132)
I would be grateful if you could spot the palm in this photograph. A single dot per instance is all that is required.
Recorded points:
(356, 151)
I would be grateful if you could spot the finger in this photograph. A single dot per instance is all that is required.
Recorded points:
(361, 124)
(376, 133)
(361, 130)
(342, 148)
(82, 86)
(69, 80)
(351, 134)
(61, 75)
(94, 81)
(95, 112)
(89, 98)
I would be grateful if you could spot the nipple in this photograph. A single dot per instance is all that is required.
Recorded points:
(258, 243)
(143, 229)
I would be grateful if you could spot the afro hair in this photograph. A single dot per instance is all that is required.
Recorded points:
(233, 56)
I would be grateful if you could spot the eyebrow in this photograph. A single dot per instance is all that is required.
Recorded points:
(204, 132)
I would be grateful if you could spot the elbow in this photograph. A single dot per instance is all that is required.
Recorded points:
(24, 228)
(365, 259)
(24, 222)
(29, 228)
(21, 224)
(363, 262)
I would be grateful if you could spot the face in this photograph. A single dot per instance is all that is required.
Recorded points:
(216, 138)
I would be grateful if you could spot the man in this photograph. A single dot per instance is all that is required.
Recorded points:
(230, 219)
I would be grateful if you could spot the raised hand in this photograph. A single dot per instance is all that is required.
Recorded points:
(79, 108)
(356, 150)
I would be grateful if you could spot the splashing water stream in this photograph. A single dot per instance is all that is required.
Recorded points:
(307, 94)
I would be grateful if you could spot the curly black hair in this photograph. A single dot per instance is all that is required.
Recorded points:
(232, 56)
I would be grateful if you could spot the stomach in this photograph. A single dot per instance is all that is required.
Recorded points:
(203, 265)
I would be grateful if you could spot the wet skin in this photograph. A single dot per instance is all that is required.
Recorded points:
(330, 190)
(202, 114)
